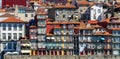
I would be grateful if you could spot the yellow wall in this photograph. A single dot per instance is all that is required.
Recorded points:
(26, 51)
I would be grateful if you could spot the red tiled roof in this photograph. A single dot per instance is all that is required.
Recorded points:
(115, 28)
(117, 5)
(64, 6)
(41, 11)
(7, 15)
(2, 10)
(102, 33)
(106, 20)
(93, 21)
(98, 26)
(108, 4)
(50, 34)
(33, 27)
(83, 2)
(12, 20)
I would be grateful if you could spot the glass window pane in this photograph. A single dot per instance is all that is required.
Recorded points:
(4, 26)
(4, 35)
(20, 35)
(20, 27)
(9, 36)
(15, 27)
(9, 45)
(9, 26)
(15, 35)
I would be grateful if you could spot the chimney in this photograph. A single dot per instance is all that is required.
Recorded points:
(16, 10)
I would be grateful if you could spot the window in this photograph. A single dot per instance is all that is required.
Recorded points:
(63, 16)
(94, 16)
(57, 31)
(21, 11)
(57, 14)
(9, 27)
(32, 33)
(33, 45)
(15, 27)
(20, 35)
(9, 45)
(4, 46)
(41, 17)
(32, 15)
(41, 38)
(9, 36)
(4, 26)
(99, 10)
(26, 15)
(14, 45)
(41, 23)
(14, 35)
(41, 31)
(81, 10)
(4, 35)
(71, 31)
(20, 27)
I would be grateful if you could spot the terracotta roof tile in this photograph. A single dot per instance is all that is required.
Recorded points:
(115, 28)
(92, 21)
(41, 11)
(12, 20)
(82, 25)
(35, 0)
(108, 4)
(33, 27)
(6, 15)
(91, 3)
(83, 2)
(48, 34)
(106, 20)
(63, 22)
(117, 5)
(2, 10)
(64, 6)
(102, 33)
(99, 33)
(98, 26)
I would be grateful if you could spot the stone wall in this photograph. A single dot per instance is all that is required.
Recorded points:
(59, 57)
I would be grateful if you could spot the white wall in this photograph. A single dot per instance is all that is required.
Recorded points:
(12, 31)
(94, 11)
